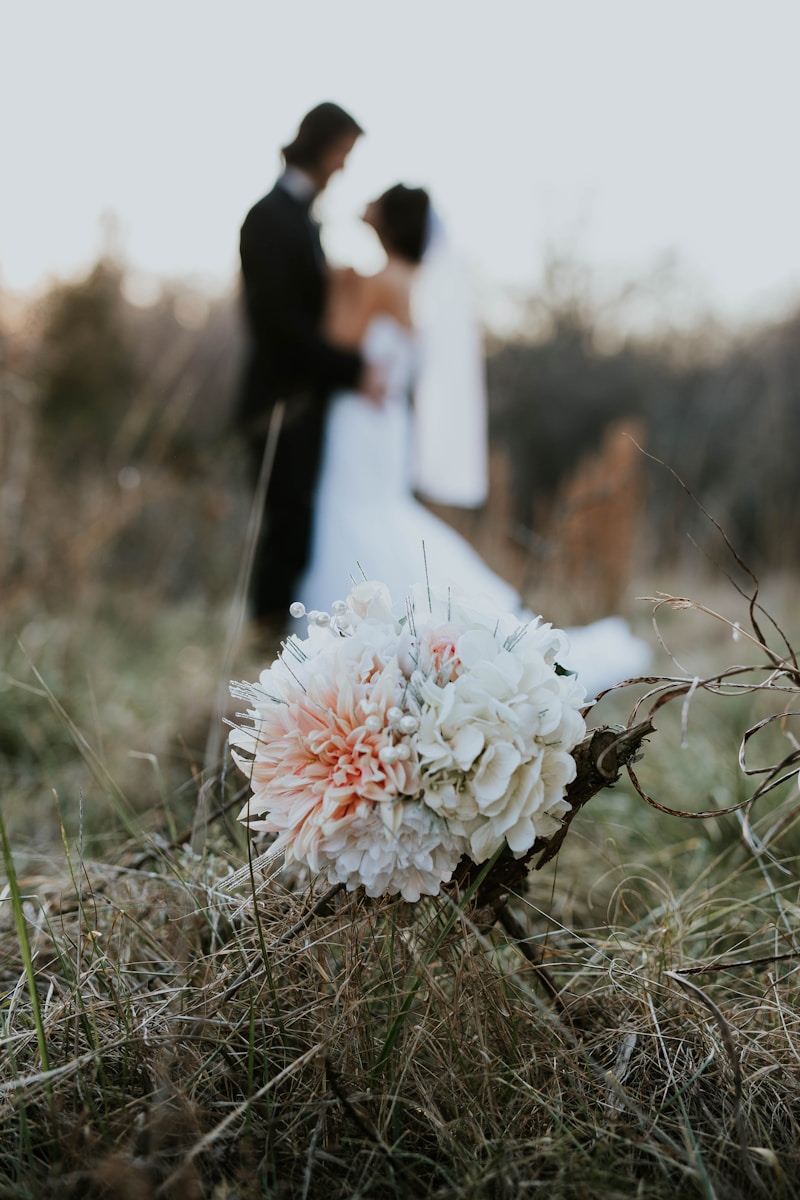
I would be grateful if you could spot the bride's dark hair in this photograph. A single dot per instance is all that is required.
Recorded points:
(403, 221)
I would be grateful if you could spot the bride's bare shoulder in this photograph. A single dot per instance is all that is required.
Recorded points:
(347, 299)
(389, 293)
(344, 281)
(354, 299)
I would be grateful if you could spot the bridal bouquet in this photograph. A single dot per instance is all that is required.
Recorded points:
(387, 744)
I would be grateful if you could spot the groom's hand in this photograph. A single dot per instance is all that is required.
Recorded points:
(372, 383)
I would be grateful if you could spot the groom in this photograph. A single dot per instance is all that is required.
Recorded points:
(284, 277)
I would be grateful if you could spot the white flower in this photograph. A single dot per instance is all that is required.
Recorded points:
(386, 744)
(415, 858)
(370, 601)
(497, 725)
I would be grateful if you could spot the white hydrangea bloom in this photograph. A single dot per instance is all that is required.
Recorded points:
(497, 724)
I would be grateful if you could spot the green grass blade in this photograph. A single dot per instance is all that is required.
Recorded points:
(24, 944)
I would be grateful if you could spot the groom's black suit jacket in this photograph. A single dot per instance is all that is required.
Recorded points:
(284, 278)
(284, 283)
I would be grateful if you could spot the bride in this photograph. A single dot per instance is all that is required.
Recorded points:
(367, 523)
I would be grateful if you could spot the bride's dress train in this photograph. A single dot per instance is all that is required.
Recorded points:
(368, 524)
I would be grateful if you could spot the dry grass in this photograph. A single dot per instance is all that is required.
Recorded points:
(201, 1046)
(165, 1035)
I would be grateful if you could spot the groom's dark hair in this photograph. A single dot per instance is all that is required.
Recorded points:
(318, 129)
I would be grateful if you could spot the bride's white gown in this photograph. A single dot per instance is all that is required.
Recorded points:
(368, 525)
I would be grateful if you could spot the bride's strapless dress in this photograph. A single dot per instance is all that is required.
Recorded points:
(367, 523)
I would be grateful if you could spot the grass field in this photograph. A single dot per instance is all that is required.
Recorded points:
(167, 1035)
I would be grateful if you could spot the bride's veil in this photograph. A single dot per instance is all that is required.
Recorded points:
(450, 437)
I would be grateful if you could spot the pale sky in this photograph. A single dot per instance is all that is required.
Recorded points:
(623, 131)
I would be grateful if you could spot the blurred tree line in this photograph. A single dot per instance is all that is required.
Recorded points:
(119, 459)
(717, 413)
(116, 453)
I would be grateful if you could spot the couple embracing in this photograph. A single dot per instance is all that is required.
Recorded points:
(337, 358)
(336, 352)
